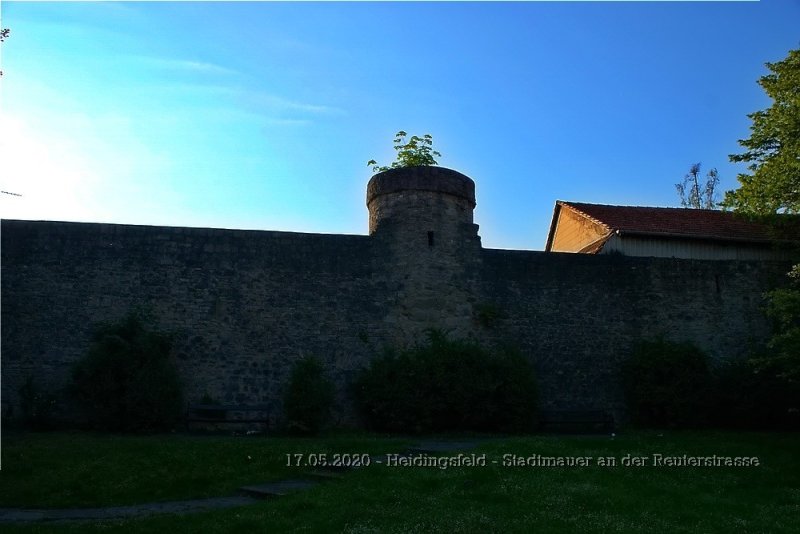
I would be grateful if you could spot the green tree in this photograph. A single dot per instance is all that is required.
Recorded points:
(783, 307)
(692, 195)
(773, 186)
(773, 148)
(417, 151)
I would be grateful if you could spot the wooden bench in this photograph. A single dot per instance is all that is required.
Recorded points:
(576, 421)
(219, 414)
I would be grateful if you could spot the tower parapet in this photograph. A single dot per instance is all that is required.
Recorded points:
(420, 196)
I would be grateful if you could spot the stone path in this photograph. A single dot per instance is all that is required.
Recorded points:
(277, 489)
(249, 495)
(18, 515)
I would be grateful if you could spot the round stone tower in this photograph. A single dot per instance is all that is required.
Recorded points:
(422, 219)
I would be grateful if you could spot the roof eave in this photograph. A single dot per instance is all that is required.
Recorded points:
(551, 234)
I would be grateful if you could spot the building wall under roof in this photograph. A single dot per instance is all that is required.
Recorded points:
(633, 245)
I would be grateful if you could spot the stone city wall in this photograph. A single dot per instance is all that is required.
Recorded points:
(245, 305)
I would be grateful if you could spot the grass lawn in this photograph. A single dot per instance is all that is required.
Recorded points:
(62, 470)
(494, 498)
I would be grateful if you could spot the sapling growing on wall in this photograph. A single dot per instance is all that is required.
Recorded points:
(417, 151)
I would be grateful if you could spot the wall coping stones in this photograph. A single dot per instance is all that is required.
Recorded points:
(421, 178)
(122, 229)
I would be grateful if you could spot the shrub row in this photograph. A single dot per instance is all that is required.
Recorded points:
(447, 385)
(672, 385)
(127, 382)
(666, 384)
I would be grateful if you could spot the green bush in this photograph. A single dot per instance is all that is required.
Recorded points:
(126, 382)
(447, 385)
(37, 406)
(308, 398)
(667, 385)
(754, 397)
(783, 355)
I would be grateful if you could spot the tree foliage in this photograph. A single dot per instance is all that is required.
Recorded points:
(417, 151)
(773, 148)
(693, 195)
(773, 186)
(783, 307)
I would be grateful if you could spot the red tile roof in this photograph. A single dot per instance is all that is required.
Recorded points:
(681, 222)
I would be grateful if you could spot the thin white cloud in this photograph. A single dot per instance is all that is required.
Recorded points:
(197, 89)
(202, 66)
(287, 122)
(260, 102)
(271, 102)
(184, 65)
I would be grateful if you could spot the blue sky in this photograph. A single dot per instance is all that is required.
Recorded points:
(263, 115)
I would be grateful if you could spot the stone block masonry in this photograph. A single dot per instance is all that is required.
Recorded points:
(578, 316)
(246, 304)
